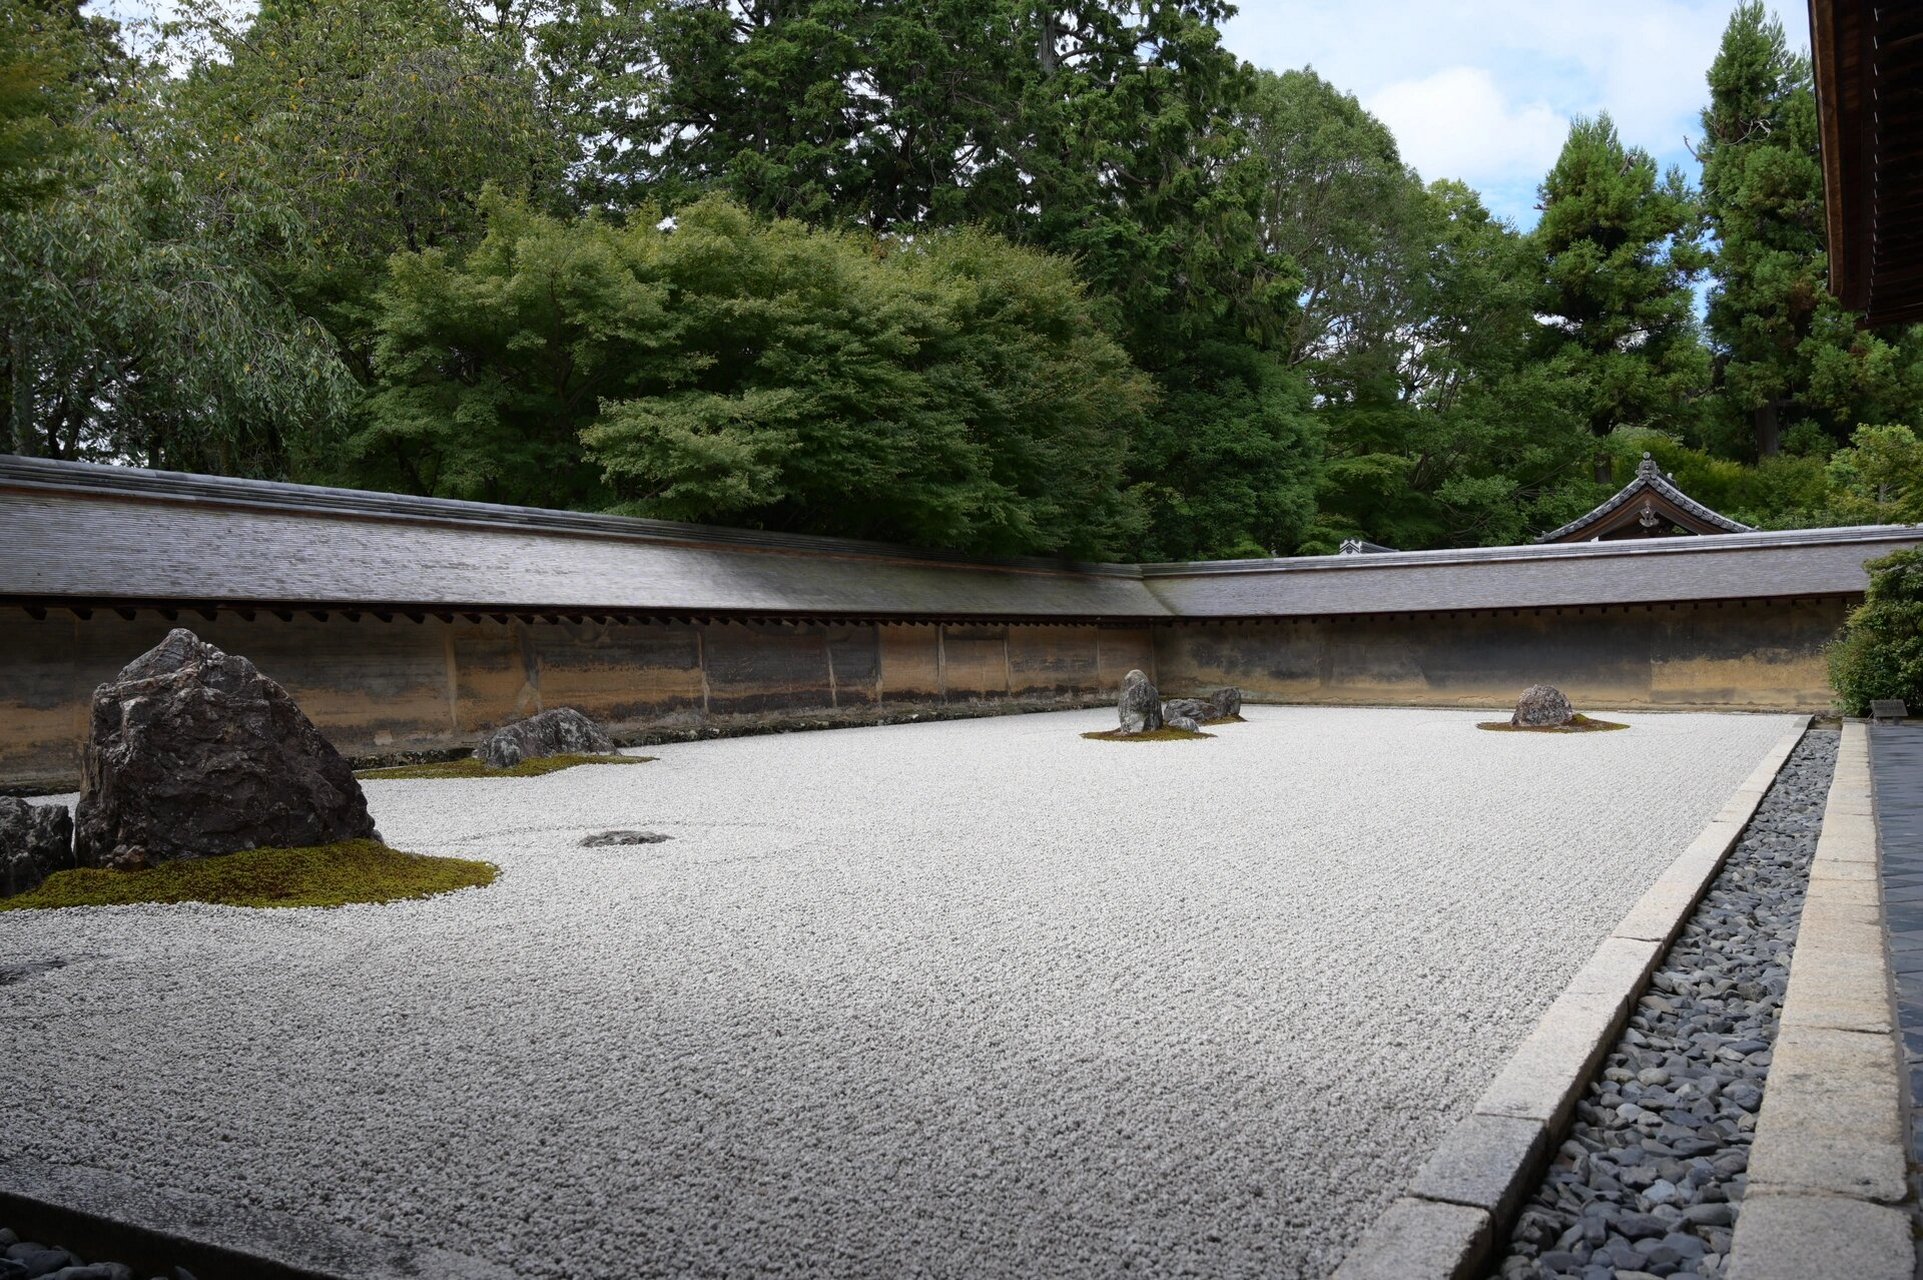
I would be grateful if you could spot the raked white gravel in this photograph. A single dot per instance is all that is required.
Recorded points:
(965, 999)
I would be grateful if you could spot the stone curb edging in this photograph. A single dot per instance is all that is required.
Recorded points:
(97, 1214)
(1467, 1195)
(1829, 1162)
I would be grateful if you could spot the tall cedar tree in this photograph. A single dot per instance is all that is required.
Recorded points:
(1618, 252)
(1792, 364)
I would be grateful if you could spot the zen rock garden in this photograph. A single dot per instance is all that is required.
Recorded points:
(1145, 716)
(194, 754)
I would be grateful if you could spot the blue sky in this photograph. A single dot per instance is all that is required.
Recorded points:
(1483, 90)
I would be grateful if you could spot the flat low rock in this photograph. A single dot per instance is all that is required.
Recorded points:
(1187, 709)
(193, 752)
(1140, 706)
(562, 731)
(36, 840)
(1542, 706)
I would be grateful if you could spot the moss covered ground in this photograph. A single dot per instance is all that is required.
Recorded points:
(328, 875)
(1153, 735)
(470, 767)
(1581, 724)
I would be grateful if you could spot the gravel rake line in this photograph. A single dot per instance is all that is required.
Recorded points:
(1652, 1174)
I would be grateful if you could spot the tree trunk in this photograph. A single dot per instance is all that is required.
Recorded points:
(20, 396)
(1603, 468)
(1769, 429)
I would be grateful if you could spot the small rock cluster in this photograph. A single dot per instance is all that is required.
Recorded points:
(562, 731)
(1142, 710)
(31, 1260)
(1651, 1178)
(1542, 706)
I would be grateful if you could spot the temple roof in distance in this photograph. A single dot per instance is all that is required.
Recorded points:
(1650, 506)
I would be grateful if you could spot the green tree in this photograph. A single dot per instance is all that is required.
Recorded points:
(1790, 359)
(1105, 130)
(1880, 653)
(338, 134)
(133, 329)
(954, 392)
(1618, 245)
(1878, 479)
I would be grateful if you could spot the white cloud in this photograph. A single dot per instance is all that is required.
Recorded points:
(1458, 123)
(1469, 86)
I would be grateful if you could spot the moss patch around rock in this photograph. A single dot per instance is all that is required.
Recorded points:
(329, 875)
(1225, 720)
(474, 767)
(1153, 735)
(1581, 724)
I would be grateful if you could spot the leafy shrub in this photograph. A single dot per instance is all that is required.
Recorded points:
(1880, 653)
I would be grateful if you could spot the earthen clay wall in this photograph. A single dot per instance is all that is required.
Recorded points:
(384, 688)
(389, 687)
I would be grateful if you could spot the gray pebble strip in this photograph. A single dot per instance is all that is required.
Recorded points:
(1651, 1177)
(31, 1260)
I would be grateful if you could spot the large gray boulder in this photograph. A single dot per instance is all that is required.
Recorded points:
(1187, 709)
(1226, 701)
(560, 732)
(36, 840)
(1542, 706)
(1140, 706)
(193, 752)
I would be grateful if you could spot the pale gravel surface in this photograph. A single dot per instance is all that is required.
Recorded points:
(972, 998)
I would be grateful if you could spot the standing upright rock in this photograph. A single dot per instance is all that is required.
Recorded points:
(562, 731)
(193, 752)
(1140, 705)
(1542, 706)
(36, 840)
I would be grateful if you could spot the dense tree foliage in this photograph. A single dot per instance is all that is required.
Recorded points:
(984, 274)
(133, 327)
(1880, 654)
(1794, 370)
(957, 391)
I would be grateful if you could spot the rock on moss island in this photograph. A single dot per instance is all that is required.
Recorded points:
(560, 732)
(1542, 706)
(192, 752)
(1140, 706)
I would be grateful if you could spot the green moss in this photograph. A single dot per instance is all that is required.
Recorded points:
(1581, 724)
(1153, 735)
(323, 876)
(471, 767)
(1225, 720)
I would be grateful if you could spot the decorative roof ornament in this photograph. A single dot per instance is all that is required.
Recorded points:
(1357, 547)
(1663, 511)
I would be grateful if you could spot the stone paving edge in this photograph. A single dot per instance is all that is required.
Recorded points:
(1828, 1168)
(97, 1214)
(1465, 1196)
